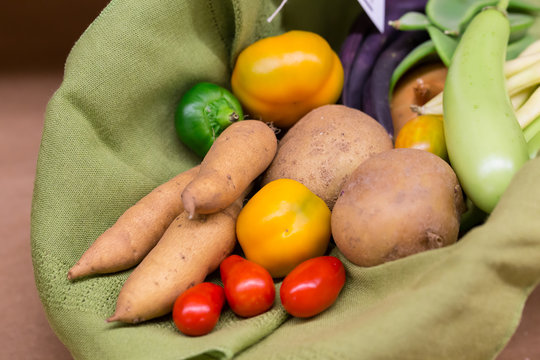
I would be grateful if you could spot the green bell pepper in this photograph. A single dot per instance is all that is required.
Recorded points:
(203, 112)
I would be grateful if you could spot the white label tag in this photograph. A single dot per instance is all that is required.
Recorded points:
(375, 11)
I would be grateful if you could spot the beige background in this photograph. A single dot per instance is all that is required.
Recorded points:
(35, 38)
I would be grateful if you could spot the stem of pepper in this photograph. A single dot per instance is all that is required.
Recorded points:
(234, 117)
(220, 114)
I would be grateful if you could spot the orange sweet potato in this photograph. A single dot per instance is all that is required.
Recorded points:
(136, 232)
(238, 156)
(188, 251)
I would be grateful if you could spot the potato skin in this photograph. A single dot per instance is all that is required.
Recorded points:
(397, 203)
(324, 147)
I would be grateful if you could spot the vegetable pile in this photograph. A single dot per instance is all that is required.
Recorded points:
(299, 157)
(488, 93)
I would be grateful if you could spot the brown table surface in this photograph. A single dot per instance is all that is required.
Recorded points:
(28, 79)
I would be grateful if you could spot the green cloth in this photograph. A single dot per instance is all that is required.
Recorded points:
(109, 139)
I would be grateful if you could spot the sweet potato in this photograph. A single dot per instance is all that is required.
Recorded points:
(188, 251)
(136, 232)
(238, 156)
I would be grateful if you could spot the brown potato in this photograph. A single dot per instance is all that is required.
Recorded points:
(324, 147)
(238, 156)
(397, 203)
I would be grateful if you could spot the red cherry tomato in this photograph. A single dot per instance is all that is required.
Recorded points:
(313, 286)
(196, 311)
(227, 264)
(249, 288)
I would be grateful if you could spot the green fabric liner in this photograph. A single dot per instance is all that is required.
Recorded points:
(109, 139)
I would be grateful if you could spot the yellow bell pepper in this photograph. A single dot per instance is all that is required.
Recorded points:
(282, 225)
(279, 79)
